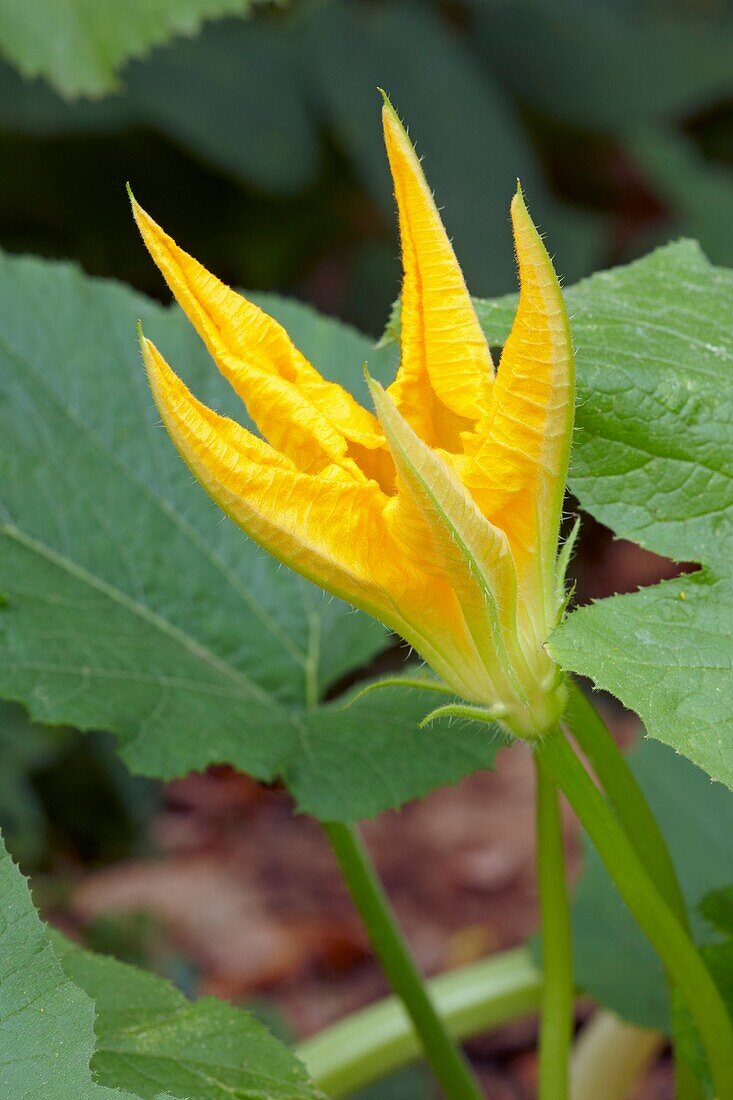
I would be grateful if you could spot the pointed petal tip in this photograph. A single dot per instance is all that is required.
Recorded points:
(154, 363)
(394, 127)
(152, 359)
(144, 222)
(375, 389)
(391, 121)
(141, 216)
(526, 233)
(165, 385)
(518, 205)
(136, 207)
(147, 349)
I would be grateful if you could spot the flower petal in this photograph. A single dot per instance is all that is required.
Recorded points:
(334, 531)
(444, 380)
(327, 527)
(314, 421)
(519, 472)
(438, 520)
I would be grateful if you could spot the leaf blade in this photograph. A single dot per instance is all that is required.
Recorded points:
(133, 607)
(80, 46)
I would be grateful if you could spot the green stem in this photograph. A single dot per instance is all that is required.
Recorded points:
(380, 1039)
(637, 819)
(670, 940)
(626, 796)
(448, 1063)
(558, 993)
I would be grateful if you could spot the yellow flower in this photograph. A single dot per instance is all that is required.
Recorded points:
(439, 515)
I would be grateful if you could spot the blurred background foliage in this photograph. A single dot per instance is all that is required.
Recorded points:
(256, 141)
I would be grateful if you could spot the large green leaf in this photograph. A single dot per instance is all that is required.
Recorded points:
(697, 821)
(133, 606)
(665, 652)
(653, 459)
(46, 1022)
(79, 45)
(55, 998)
(148, 1036)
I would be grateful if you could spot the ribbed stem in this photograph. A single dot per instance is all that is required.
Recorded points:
(625, 795)
(556, 1027)
(633, 811)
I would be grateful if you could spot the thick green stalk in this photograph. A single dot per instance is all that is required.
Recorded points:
(633, 811)
(380, 1039)
(446, 1060)
(558, 994)
(663, 929)
(625, 795)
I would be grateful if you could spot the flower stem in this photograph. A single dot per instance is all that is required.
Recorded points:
(633, 811)
(448, 1063)
(663, 929)
(380, 1039)
(626, 796)
(557, 958)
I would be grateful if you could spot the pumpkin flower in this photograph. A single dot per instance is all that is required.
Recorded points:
(439, 513)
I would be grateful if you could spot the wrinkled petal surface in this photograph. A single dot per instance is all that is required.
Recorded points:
(334, 531)
(314, 421)
(443, 384)
(440, 516)
(436, 517)
(518, 474)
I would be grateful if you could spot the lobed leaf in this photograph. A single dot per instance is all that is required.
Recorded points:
(46, 1022)
(55, 996)
(148, 1036)
(133, 606)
